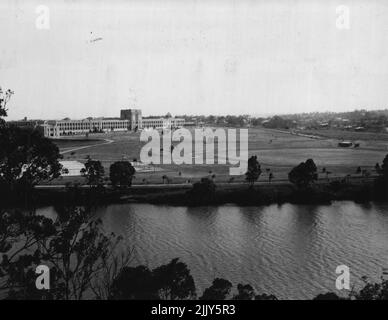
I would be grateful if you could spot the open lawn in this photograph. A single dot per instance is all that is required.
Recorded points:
(72, 143)
(277, 151)
(368, 140)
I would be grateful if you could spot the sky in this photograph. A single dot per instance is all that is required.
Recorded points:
(192, 57)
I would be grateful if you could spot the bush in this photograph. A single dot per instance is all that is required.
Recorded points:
(202, 192)
(121, 173)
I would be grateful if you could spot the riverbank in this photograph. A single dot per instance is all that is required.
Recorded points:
(322, 192)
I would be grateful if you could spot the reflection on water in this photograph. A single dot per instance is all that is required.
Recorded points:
(287, 250)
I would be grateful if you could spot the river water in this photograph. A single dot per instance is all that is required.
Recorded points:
(291, 251)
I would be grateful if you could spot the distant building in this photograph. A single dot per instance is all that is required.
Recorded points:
(162, 123)
(57, 128)
(133, 116)
(345, 144)
(130, 119)
(190, 123)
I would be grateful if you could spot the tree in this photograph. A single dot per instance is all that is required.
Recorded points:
(5, 96)
(134, 283)
(93, 172)
(254, 170)
(381, 182)
(279, 122)
(219, 290)
(26, 157)
(174, 281)
(372, 291)
(384, 167)
(304, 174)
(171, 281)
(73, 246)
(16, 239)
(265, 296)
(203, 191)
(121, 173)
(245, 292)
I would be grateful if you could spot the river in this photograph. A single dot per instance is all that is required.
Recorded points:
(291, 251)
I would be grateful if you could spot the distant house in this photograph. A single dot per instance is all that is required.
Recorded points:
(345, 144)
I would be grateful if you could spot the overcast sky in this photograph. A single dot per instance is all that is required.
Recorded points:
(193, 57)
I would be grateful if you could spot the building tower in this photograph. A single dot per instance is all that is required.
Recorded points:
(134, 116)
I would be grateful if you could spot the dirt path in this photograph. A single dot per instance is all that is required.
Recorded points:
(107, 141)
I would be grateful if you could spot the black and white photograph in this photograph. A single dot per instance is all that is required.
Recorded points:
(194, 152)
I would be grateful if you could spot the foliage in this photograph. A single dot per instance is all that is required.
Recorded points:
(134, 283)
(174, 281)
(73, 246)
(121, 173)
(254, 170)
(111, 266)
(304, 174)
(277, 122)
(203, 191)
(381, 182)
(5, 96)
(265, 296)
(372, 291)
(93, 172)
(327, 296)
(171, 281)
(384, 167)
(27, 158)
(219, 290)
(246, 292)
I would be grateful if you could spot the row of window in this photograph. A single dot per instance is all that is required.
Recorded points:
(162, 123)
(91, 125)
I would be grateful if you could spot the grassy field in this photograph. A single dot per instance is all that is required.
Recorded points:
(277, 151)
(368, 140)
(73, 143)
